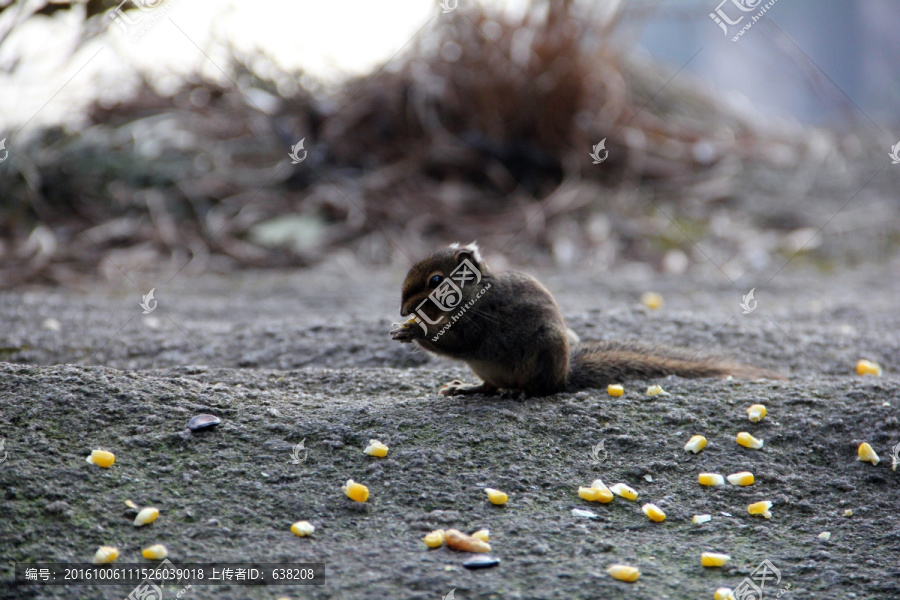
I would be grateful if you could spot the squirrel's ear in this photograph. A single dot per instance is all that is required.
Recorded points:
(470, 251)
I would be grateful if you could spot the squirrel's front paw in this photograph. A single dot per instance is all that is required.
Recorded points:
(404, 332)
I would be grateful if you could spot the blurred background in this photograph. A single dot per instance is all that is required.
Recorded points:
(155, 136)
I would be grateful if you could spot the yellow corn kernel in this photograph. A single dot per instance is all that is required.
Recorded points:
(848, 513)
(710, 479)
(146, 516)
(615, 389)
(654, 512)
(723, 593)
(695, 444)
(101, 458)
(620, 489)
(867, 367)
(376, 448)
(624, 573)
(742, 478)
(605, 496)
(434, 539)
(592, 494)
(302, 528)
(701, 519)
(761, 509)
(496, 496)
(866, 454)
(756, 412)
(656, 390)
(155, 552)
(482, 534)
(106, 554)
(748, 441)
(652, 300)
(356, 491)
(457, 540)
(713, 559)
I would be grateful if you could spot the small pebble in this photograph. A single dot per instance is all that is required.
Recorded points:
(481, 562)
(824, 536)
(203, 422)
(583, 513)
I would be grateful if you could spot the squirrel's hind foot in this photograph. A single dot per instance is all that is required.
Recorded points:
(457, 388)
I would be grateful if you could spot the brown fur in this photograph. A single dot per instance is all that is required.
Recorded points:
(514, 336)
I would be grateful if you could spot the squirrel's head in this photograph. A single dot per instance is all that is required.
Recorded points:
(464, 267)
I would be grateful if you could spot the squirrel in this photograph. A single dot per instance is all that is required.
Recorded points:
(508, 328)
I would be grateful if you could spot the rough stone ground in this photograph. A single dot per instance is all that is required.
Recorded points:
(306, 356)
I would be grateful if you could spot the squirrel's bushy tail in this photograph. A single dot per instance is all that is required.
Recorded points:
(598, 364)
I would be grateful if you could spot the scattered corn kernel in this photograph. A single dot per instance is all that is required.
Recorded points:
(101, 458)
(302, 528)
(713, 559)
(652, 300)
(748, 441)
(756, 412)
(482, 534)
(131, 504)
(595, 494)
(434, 539)
(848, 513)
(146, 516)
(723, 593)
(624, 573)
(615, 389)
(155, 552)
(742, 478)
(605, 496)
(695, 444)
(867, 367)
(466, 543)
(376, 448)
(654, 512)
(620, 489)
(106, 554)
(656, 390)
(496, 496)
(761, 509)
(824, 536)
(710, 479)
(356, 491)
(701, 519)
(866, 454)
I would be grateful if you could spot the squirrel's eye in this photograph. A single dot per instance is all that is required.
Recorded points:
(435, 281)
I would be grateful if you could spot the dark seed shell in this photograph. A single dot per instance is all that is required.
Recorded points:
(482, 561)
(203, 422)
